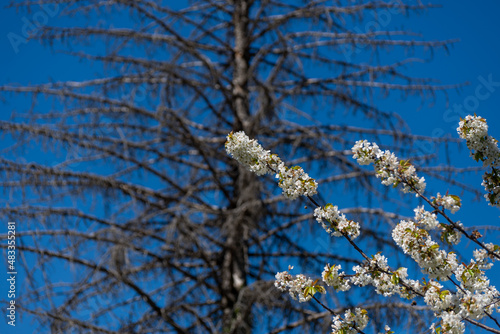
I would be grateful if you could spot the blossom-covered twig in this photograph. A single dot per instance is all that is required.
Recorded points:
(292, 180)
(483, 147)
(474, 299)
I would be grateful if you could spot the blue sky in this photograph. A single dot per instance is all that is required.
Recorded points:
(474, 59)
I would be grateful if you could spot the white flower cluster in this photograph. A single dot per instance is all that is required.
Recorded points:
(332, 277)
(450, 234)
(438, 298)
(451, 323)
(377, 273)
(335, 222)
(417, 242)
(449, 202)
(366, 272)
(388, 167)
(428, 221)
(352, 323)
(293, 181)
(299, 287)
(475, 299)
(478, 298)
(491, 182)
(365, 152)
(481, 256)
(483, 148)
(248, 152)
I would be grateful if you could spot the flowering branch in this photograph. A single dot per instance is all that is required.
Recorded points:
(483, 147)
(474, 299)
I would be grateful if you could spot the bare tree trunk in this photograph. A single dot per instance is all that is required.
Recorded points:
(241, 54)
(235, 260)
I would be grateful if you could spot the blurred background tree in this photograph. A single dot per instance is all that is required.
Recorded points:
(135, 220)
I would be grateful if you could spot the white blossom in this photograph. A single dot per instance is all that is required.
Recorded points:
(477, 296)
(426, 219)
(364, 152)
(248, 152)
(474, 130)
(449, 202)
(335, 222)
(388, 168)
(377, 273)
(299, 287)
(481, 256)
(438, 298)
(295, 182)
(451, 234)
(491, 183)
(352, 322)
(294, 284)
(483, 147)
(292, 180)
(451, 323)
(332, 277)
(478, 305)
(417, 242)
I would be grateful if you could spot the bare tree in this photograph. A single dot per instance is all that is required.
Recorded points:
(144, 224)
